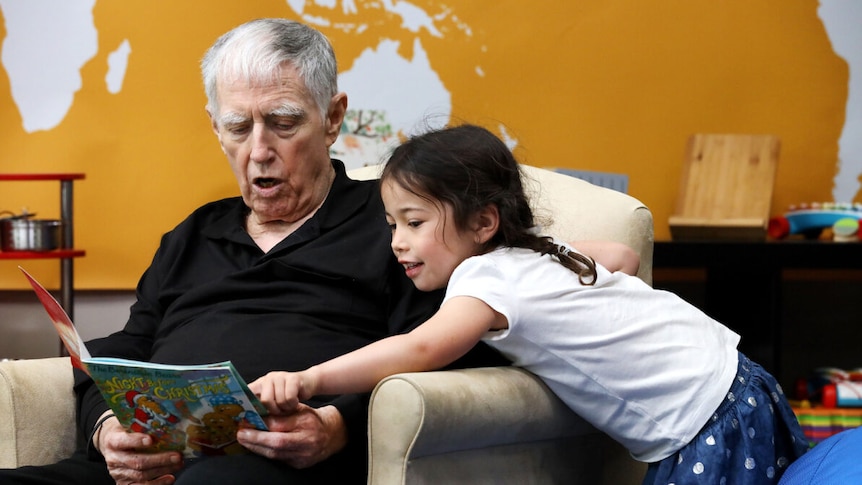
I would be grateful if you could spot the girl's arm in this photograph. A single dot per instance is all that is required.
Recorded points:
(449, 334)
(612, 255)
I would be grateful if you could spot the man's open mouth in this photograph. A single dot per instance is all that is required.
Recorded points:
(265, 182)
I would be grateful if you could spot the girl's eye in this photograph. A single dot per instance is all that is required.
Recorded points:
(392, 227)
(414, 224)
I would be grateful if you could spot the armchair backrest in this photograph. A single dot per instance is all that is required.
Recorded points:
(572, 209)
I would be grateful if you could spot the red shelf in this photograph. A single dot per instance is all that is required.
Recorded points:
(67, 253)
(41, 176)
(56, 254)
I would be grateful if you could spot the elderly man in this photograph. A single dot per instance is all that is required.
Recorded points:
(294, 272)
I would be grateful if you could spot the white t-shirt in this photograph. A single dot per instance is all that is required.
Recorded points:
(640, 364)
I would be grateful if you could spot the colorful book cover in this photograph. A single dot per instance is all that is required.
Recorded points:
(196, 410)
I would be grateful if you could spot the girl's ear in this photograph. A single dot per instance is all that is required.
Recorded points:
(486, 222)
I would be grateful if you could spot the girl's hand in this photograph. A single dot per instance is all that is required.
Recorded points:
(279, 391)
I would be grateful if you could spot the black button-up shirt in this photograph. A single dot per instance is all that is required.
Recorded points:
(211, 294)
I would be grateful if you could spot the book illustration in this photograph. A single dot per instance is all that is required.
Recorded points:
(193, 409)
(196, 410)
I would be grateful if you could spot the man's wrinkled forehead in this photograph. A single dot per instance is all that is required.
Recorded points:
(242, 77)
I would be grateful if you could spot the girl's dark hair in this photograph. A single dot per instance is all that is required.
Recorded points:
(467, 168)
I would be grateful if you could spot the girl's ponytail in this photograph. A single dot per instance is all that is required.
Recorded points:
(584, 266)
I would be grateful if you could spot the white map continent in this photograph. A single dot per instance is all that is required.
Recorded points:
(409, 91)
(843, 22)
(413, 18)
(47, 43)
(381, 79)
(118, 61)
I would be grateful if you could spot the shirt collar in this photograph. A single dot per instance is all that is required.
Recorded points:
(346, 197)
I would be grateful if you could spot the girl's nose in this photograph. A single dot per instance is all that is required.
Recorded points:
(397, 244)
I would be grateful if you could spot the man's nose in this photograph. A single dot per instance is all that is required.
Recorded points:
(262, 146)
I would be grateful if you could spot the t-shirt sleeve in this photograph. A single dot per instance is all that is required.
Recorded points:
(481, 278)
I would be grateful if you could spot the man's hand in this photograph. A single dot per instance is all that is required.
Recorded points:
(129, 461)
(301, 439)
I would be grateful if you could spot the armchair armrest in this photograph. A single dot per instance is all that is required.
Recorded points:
(37, 411)
(468, 426)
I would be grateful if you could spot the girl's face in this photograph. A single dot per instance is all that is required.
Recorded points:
(424, 237)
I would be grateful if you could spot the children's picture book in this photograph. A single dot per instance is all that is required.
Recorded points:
(195, 410)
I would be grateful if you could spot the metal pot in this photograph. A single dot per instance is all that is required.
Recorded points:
(24, 234)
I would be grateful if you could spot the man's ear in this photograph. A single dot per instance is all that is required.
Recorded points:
(486, 223)
(335, 117)
(214, 125)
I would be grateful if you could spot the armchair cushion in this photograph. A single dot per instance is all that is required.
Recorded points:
(37, 411)
(474, 426)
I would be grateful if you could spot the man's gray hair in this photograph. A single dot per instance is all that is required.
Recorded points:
(255, 51)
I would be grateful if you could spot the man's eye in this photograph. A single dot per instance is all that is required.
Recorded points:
(237, 130)
(282, 124)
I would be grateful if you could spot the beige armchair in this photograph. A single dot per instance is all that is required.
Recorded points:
(473, 426)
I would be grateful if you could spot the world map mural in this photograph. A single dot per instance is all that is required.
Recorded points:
(111, 89)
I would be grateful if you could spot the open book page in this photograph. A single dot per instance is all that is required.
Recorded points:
(68, 333)
(195, 410)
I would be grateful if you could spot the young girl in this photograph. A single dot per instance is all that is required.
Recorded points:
(640, 364)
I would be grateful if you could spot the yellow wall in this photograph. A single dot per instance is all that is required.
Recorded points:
(609, 85)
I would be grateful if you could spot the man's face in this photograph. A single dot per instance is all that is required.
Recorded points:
(277, 144)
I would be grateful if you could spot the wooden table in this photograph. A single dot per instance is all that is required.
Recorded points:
(743, 280)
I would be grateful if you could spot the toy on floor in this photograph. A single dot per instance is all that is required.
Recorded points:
(835, 387)
(811, 219)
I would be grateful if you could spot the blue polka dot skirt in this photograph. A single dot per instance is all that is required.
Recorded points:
(751, 439)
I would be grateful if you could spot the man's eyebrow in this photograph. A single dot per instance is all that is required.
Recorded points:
(232, 118)
(287, 111)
